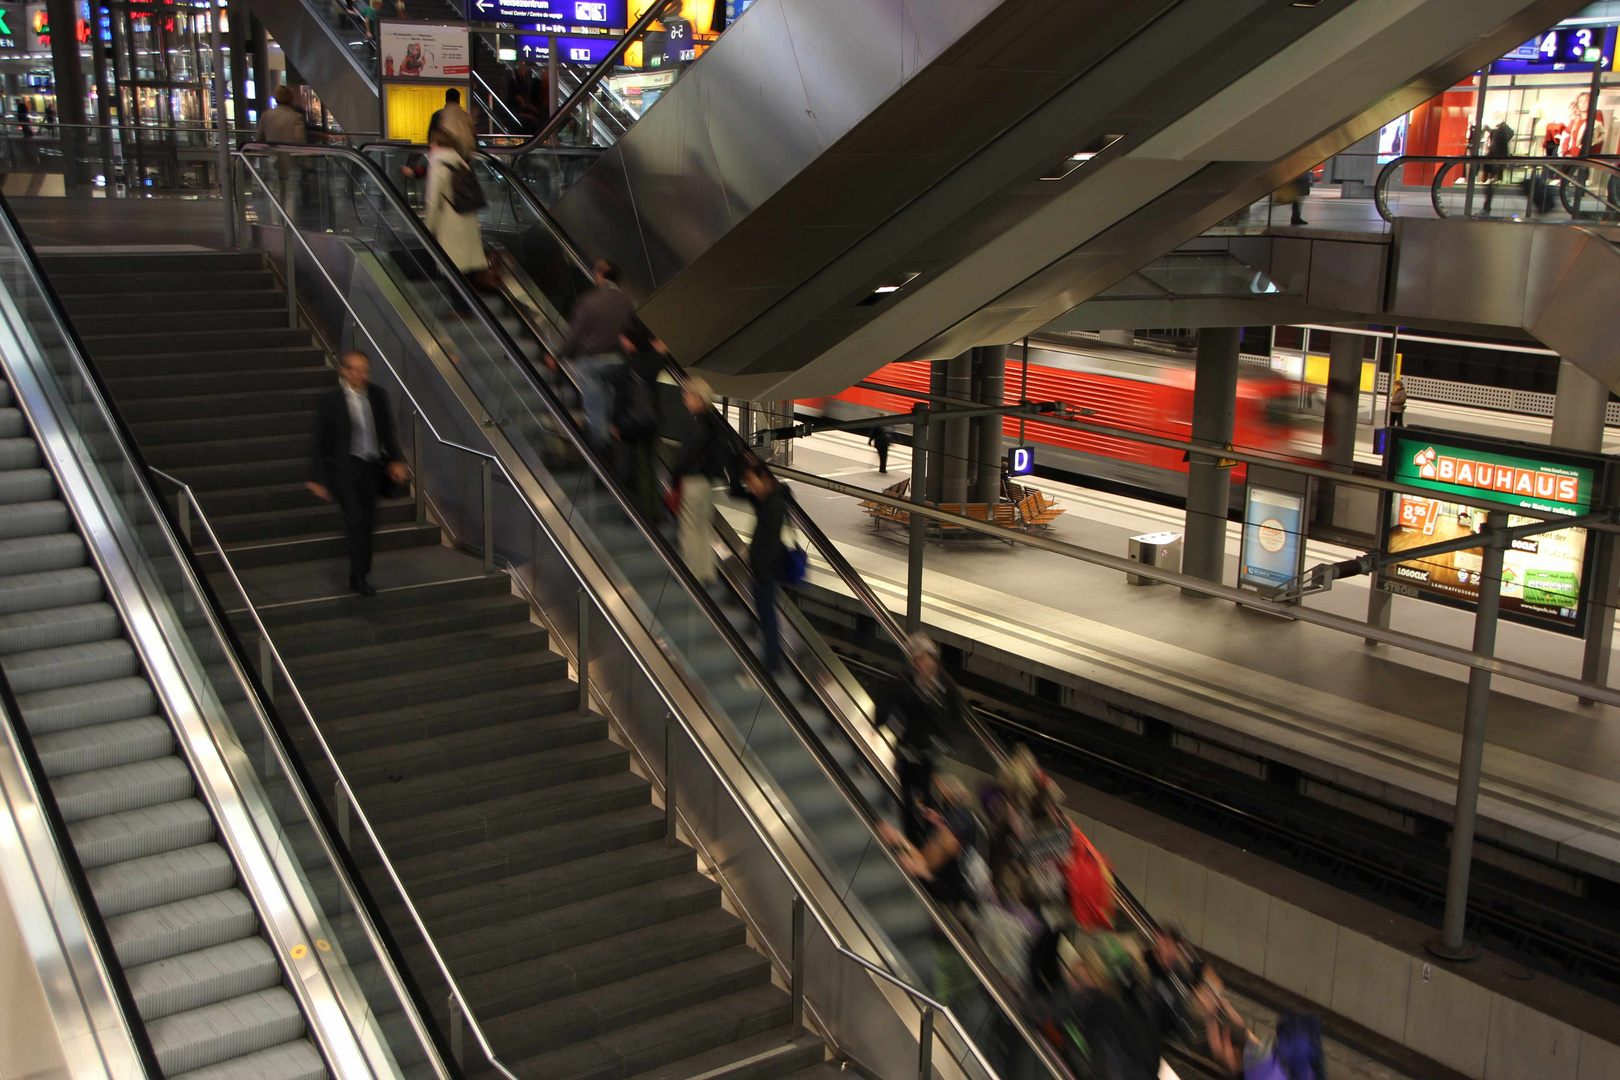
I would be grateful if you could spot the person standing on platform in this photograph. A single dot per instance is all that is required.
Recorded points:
(602, 317)
(766, 554)
(918, 707)
(699, 465)
(1397, 404)
(880, 439)
(355, 449)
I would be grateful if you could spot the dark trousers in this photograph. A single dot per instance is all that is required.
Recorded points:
(883, 455)
(358, 484)
(916, 787)
(1397, 418)
(765, 605)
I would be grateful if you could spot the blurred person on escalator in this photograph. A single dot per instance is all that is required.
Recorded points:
(635, 416)
(700, 464)
(766, 555)
(602, 318)
(1499, 144)
(451, 205)
(919, 708)
(286, 123)
(457, 122)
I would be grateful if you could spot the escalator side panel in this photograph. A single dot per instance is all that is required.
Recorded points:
(319, 54)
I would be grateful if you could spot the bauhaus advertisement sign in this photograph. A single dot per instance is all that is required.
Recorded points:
(1543, 576)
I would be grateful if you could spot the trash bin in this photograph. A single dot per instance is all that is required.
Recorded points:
(1161, 549)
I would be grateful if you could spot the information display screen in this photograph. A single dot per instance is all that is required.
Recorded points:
(1543, 576)
(1272, 551)
(1563, 48)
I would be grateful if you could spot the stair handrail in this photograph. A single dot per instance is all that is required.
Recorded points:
(195, 582)
(767, 685)
(1563, 168)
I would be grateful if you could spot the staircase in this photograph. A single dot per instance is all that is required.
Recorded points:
(208, 987)
(588, 946)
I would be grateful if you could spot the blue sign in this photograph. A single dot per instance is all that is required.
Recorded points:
(595, 14)
(1563, 48)
(1273, 549)
(1020, 460)
(575, 50)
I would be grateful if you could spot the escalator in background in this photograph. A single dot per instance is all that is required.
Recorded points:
(228, 921)
(940, 176)
(332, 49)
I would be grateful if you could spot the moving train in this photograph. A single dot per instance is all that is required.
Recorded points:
(1141, 393)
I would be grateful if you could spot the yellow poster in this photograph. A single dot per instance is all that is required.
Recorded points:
(700, 13)
(407, 108)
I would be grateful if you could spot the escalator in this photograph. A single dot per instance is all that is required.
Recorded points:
(225, 920)
(332, 49)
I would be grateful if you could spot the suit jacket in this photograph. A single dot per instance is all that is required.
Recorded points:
(332, 433)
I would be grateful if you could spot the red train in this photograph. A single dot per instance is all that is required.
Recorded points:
(1139, 392)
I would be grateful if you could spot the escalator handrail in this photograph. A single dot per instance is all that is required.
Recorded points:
(275, 735)
(677, 568)
(565, 111)
(1557, 165)
(104, 955)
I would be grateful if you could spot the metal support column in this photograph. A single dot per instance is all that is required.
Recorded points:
(1208, 485)
(222, 123)
(106, 99)
(935, 442)
(1451, 944)
(260, 43)
(69, 75)
(1342, 406)
(1605, 595)
(920, 435)
(1579, 410)
(925, 1045)
(959, 388)
(993, 391)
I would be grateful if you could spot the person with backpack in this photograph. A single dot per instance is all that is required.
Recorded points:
(635, 417)
(453, 201)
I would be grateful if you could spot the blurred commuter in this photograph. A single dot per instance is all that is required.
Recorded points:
(1551, 136)
(1292, 195)
(457, 123)
(766, 555)
(286, 124)
(1295, 1053)
(355, 450)
(23, 118)
(635, 417)
(919, 707)
(50, 119)
(602, 318)
(1397, 404)
(452, 203)
(879, 440)
(1498, 145)
(700, 463)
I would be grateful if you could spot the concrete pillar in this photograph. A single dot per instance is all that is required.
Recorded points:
(935, 472)
(260, 43)
(1578, 410)
(992, 391)
(70, 90)
(1343, 400)
(238, 35)
(1125, 338)
(959, 388)
(1209, 487)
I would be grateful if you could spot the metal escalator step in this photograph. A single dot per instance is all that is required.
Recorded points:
(20, 454)
(161, 879)
(135, 834)
(49, 588)
(55, 627)
(192, 980)
(31, 554)
(12, 424)
(88, 704)
(5, 393)
(26, 485)
(41, 518)
(296, 1060)
(224, 1030)
(122, 787)
(70, 665)
(167, 930)
(105, 745)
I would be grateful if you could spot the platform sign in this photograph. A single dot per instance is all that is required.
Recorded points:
(1020, 460)
(602, 15)
(575, 50)
(1272, 553)
(1543, 576)
(1563, 48)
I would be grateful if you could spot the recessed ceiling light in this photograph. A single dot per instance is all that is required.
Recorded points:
(1081, 156)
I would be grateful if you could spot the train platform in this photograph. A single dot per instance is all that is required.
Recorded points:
(1373, 728)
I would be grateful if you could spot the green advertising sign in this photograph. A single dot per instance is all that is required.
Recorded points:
(1466, 472)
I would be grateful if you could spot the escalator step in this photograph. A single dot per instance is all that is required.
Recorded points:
(161, 879)
(105, 745)
(82, 706)
(56, 627)
(41, 518)
(32, 554)
(71, 665)
(19, 454)
(225, 1030)
(49, 588)
(123, 787)
(192, 980)
(167, 930)
(296, 1060)
(26, 485)
(134, 834)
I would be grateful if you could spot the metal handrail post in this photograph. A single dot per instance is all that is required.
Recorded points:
(457, 1042)
(489, 515)
(918, 524)
(582, 655)
(925, 1045)
(291, 269)
(798, 966)
(419, 467)
(671, 818)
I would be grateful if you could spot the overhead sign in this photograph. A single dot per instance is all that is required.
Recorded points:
(1272, 553)
(573, 50)
(413, 50)
(1020, 460)
(597, 14)
(1563, 48)
(1543, 576)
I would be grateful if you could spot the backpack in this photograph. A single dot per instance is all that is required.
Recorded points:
(466, 196)
(1090, 883)
(636, 415)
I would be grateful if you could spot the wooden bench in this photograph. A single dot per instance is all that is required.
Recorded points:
(1008, 515)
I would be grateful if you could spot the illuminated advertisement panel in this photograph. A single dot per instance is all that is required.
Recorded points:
(1543, 576)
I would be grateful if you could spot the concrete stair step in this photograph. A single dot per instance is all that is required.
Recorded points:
(493, 780)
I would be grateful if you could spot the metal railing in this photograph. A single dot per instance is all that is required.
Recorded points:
(1521, 189)
(272, 661)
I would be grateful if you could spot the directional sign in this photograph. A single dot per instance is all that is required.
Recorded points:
(595, 14)
(575, 50)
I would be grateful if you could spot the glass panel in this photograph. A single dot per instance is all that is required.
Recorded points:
(502, 370)
(304, 856)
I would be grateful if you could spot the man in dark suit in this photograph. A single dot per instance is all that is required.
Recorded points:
(354, 447)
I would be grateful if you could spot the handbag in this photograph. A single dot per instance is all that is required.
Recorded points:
(1090, 883)
(795, 562)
